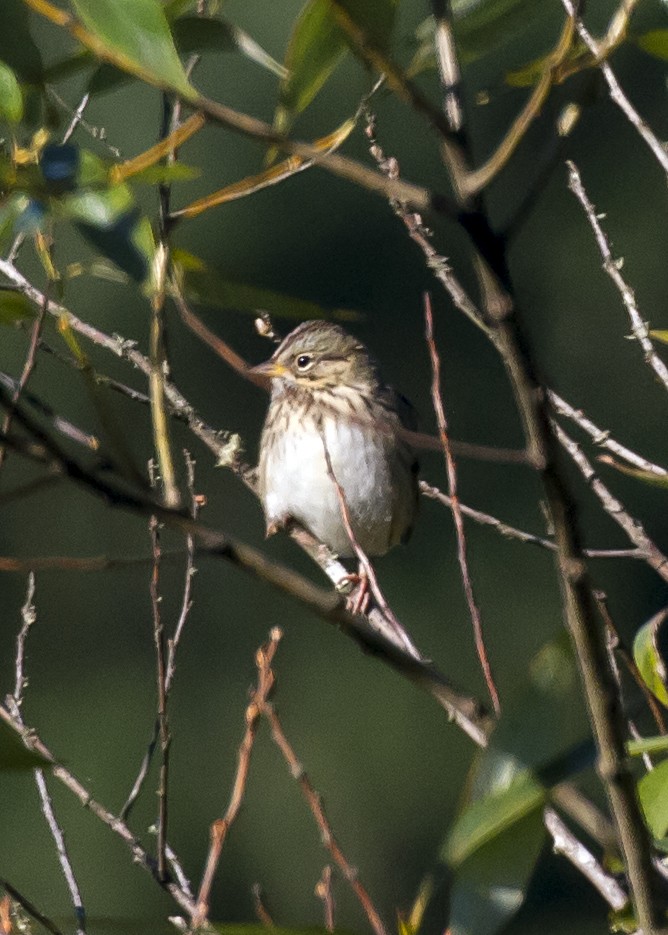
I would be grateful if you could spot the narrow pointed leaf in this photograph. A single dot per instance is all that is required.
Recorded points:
(491, 885)
(137, 35)
(206, 287)
(316, 47)
(487, 818)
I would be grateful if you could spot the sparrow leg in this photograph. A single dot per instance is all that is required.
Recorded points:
(357, 601)
(276, 525)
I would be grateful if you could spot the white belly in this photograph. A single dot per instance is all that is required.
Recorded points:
(295, 483)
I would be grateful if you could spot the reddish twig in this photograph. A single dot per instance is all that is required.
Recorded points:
(315, 802)
(456, 508)
(261, 910)
(323, 890)
(395, 631)
(221, 826)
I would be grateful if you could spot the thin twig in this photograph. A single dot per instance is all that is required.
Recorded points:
(602, 438)
(622, 650)
(261, 910)
(172, 643)
(32, 741)
(633, 528)
(566, 843)
(394, 630)
(323, 890)
(28, 367)
(612, 267)
(220, 827)
(76, 117)
(28, 618)
(616, 93)
(511, 532)
(93, 563)
(162, 720)
(315, 804)
(462, 557)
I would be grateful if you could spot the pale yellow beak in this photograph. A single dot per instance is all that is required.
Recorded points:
(270, 368)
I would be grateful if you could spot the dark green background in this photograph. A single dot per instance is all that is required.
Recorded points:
(390, 767)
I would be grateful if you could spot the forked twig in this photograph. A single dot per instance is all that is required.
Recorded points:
(315, 804)
(32, 741)
(14, 701)
(633, 528)
(323, 890)
(616, 93)
(613, 268)
(451, 469)
(511, 532)
(221, 826)
(602, 437)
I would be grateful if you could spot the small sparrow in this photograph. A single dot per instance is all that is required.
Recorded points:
(329, 402)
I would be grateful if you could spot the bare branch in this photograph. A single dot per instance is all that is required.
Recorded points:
(565, 843)
(616, 93)
(511, 532)
(451, 469)
(32, 741)
(315, 804)
(221, 826)
(633, 528)
(612, 267)
(601, 437)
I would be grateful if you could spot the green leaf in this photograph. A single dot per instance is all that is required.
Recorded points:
(206, 33)
(660, 335)
(11, 98)
(316, 46)
(653, 794)
(491, 885)
(486, 819)
(136, 34)
(112, 223)
(655, 43)
(14, 754)
(207, 287)
(14, 306)
(649, 659)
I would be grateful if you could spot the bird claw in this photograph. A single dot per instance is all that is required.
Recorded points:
(357, 602)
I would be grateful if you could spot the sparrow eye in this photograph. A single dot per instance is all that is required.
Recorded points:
(304, 361)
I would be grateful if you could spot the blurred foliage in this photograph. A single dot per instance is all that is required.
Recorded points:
(82, 104)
